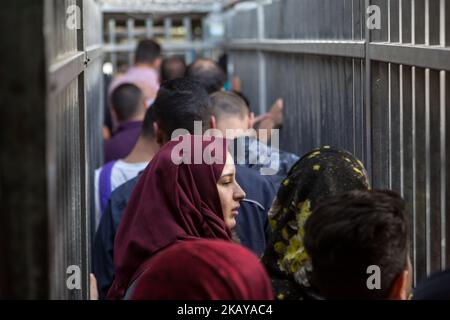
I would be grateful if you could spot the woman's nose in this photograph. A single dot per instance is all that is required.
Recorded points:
(239, 194)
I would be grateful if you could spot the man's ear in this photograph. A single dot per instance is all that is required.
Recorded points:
(212, 122)
(251, 120)
(157, 63)
(159, 135)
(401, 287)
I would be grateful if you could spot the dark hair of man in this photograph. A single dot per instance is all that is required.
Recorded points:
(227, 104)
(126, 101)
(147, 52)
(208, 74)
(348, 233)
(172, 67)
(243, 97)
(147, 130)
(179, 103)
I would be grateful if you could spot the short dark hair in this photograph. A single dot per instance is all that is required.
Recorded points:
(179, 103)
(147, 130)
(126, 101)
(348, 233)
(228, 104)
(172, 67)
(208, 74)
(147, 51)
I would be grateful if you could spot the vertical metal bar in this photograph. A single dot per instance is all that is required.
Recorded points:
(261, 61)
(443, 131)
(112, 42)
(168, 28)
(84, 215)
(413, 114)
(427, 170)
(367, 100)
(389, 85)
(149, 27)
(445, 181)
(188, 37)
(402, 140)
(130, 38)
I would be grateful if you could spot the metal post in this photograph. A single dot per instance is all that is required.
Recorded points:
(261, 61)
(112, 42)
(131, 42)
(149, 27)
(188, 38)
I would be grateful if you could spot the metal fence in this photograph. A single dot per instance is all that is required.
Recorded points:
(74, 146)
(185, 35)
(381, 93)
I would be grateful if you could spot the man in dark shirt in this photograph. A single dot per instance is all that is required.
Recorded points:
(129, 109)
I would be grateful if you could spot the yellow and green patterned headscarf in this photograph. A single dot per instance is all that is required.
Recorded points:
(319, 174)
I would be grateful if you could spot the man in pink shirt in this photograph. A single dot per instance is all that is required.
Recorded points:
(145, 72)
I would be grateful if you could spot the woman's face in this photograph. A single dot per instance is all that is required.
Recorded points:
(230, 193)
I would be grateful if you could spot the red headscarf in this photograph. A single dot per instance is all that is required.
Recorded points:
(203, 270)
(170, 202)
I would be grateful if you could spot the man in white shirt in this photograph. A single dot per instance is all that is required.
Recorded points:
(115, 173)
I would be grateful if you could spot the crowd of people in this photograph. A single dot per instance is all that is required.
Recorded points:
(189, 203)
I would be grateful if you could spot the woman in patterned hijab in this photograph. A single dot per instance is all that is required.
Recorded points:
(318, 174)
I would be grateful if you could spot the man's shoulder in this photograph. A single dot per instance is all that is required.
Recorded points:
(124, 191)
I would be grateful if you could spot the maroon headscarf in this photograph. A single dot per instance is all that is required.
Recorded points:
(203, 270)
(170, 202)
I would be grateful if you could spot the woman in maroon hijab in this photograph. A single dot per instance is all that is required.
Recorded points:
(187, 192)
(202, 270)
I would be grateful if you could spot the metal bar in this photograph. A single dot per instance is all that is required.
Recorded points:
(65, 71)
(112, 41)
(368, 99)
(420, 56)
(84, 163)
(149, 27)
(130, 38)
(427, 172)
(167, 28)
(261, 61)
(353, 49)
(187, 23)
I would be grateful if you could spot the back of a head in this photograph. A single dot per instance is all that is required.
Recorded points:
(228, 104)
(347, 234)
(203, 270)
(147, 52)
(178, 104)
(208, 74)
(172, 68)
(127, 101)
